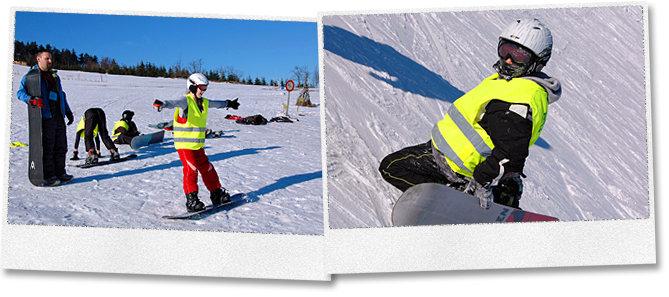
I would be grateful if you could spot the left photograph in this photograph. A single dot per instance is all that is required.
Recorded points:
(150, 122)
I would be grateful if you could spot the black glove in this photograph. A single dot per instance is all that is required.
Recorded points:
(233, 104)
(157, 104)
(70, 118)
(509, 189)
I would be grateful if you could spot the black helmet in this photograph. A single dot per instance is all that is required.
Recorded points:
(127, 115)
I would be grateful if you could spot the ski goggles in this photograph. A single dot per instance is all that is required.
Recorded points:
(517, 53)
(202, 87)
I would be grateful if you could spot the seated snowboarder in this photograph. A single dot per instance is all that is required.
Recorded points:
(95, 118)
(190, 124)
(304, 99)
(79, 135)
(125, 129)
(481, 144)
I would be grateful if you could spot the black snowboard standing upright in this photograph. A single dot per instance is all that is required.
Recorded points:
(35, 155)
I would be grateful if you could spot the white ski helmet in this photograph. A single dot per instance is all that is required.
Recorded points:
(197, 79)
(533, 35)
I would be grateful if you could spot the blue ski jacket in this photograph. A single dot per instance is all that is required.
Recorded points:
(28, 90)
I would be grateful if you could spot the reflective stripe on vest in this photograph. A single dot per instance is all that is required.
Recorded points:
(189, 129)
(461, 139)
(467, 129)
(191, 135)
(118, 124)
(442, 146)
(189, 140)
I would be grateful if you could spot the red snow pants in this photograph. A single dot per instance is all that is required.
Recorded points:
(194, 161)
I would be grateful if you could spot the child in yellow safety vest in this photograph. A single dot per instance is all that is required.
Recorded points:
(95, 119)
(481, 144)
(190, 124)
(125, 129)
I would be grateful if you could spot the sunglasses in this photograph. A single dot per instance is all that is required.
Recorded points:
(202, 87)
(518, 54)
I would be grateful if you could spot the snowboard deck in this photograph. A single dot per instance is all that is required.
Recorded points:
(99, 157)
(35, 151)
(235, 200)
(437, 204)
(147, 139)
(107, 162)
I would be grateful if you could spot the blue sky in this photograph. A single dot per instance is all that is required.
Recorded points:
(256, 48)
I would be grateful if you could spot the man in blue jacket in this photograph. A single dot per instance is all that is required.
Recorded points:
(41, 87)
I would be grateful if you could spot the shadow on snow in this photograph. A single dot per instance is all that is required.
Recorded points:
(408, 75)
(175, 163)
(254, 196)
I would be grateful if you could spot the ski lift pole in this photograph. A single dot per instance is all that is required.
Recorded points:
(290, 86)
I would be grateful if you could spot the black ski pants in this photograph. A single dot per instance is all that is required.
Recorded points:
(421, 164)
(123, 139)
(96, 117)
(417, 165)
(54, 147)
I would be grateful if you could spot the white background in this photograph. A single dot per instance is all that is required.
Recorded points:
(629, 280)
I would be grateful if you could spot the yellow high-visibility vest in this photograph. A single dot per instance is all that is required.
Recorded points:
(460, 138)
(191, 135)
(120, 123)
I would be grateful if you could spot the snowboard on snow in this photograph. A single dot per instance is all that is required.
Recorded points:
(109, 161)
(437, 204)
(147, 139)
(79, 158)
(235, 200)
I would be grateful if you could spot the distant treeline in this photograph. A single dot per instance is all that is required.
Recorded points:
(67, 59)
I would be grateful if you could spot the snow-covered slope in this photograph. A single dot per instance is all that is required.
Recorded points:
(389, 78)
(278, 165)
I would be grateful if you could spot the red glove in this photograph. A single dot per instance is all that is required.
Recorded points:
(157, 104)
(36, 102)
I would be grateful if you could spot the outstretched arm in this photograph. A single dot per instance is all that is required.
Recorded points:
(181, 103)
(224, 103)
(171, 104)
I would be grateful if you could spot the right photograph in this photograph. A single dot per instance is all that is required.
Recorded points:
(488, 116)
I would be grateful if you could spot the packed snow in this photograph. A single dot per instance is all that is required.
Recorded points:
(389, 77)
(278, 165)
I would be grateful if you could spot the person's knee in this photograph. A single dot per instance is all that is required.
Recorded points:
(389, 167)
(385, 163)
